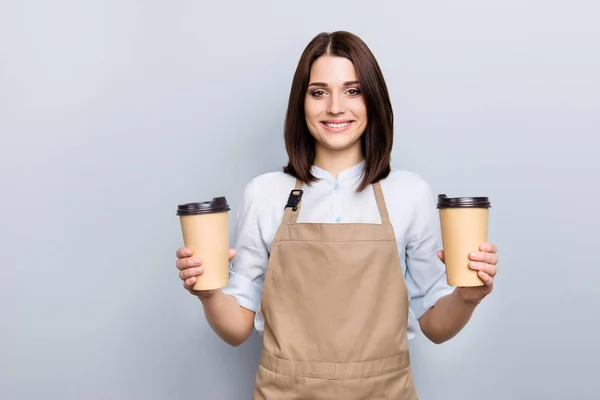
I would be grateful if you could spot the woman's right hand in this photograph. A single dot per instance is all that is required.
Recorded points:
(191, 267)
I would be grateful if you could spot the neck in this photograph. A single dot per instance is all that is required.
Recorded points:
(335, 161)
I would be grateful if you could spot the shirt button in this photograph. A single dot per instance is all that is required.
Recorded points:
(336, 186)
(337, 220)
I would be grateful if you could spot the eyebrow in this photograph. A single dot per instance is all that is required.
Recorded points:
(323, 84)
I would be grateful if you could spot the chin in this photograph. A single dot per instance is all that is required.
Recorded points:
(338, 145)
(337, 140)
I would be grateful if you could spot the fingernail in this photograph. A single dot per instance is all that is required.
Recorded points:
(196, 261)
(201, 270)
(473, 264)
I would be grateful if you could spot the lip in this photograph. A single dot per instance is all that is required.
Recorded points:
(330, 129)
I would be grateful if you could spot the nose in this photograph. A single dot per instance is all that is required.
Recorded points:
(336, 105)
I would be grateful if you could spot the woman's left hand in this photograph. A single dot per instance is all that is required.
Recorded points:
(483, 261)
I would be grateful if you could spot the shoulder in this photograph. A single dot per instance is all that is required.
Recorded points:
(266, 190)
(273, 179)
(264, 198)
(408, 185)
(411, 204)
(267, 184)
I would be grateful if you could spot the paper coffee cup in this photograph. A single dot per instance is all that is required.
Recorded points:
(205, 229)
(464, 223)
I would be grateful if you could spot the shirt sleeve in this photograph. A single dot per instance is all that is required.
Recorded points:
(246, 275)
(425, 273)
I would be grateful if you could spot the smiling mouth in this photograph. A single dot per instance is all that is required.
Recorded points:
(337, 125)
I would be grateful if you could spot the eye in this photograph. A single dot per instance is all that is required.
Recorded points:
(353, 92)
(318, 93)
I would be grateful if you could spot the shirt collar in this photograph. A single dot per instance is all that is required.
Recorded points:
(349, 173)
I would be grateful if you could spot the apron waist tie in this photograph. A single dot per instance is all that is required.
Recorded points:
(334, 370)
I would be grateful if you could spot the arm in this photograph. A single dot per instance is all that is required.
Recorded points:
(447, 318)
(452, 312)
(442, 311)
(435, 304)
(231, 311)
(230, 321)
(227, 318)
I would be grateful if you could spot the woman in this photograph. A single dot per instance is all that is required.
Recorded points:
(335, 260)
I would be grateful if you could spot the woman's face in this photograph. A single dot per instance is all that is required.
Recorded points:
(334, 106)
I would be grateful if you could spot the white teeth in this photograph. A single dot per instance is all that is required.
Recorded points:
(337, 126)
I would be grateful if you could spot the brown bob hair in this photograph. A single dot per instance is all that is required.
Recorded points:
(378, 137)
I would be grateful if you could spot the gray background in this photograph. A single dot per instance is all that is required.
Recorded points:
(114, 112)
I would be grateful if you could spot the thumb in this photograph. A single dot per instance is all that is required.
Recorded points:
(440, 255)
(231, 254)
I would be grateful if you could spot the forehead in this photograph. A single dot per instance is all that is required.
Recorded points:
(333, 70)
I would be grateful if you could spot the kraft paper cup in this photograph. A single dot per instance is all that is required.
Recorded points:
(205, 229)
(464, 224)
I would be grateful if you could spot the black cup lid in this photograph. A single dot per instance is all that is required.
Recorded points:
(462, 202)
(218, 204)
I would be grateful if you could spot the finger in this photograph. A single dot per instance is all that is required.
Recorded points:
(185, 263)
(489, 258)
(190, 272)
(183, 252)
(189, 283)
(485, 278)
(489, 269)
(440, 255)
(488, 247)
(232, 253)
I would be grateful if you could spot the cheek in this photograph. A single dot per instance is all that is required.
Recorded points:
(310, 105)
(362, 117)
(311, 118)
(360, 111)
(311, 113)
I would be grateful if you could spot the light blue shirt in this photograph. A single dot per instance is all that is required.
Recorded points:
(412, 212)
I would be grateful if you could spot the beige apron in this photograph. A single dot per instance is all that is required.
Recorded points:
(336, 310)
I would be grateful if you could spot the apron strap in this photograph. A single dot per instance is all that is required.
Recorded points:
(290, 215)
(383, 212)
